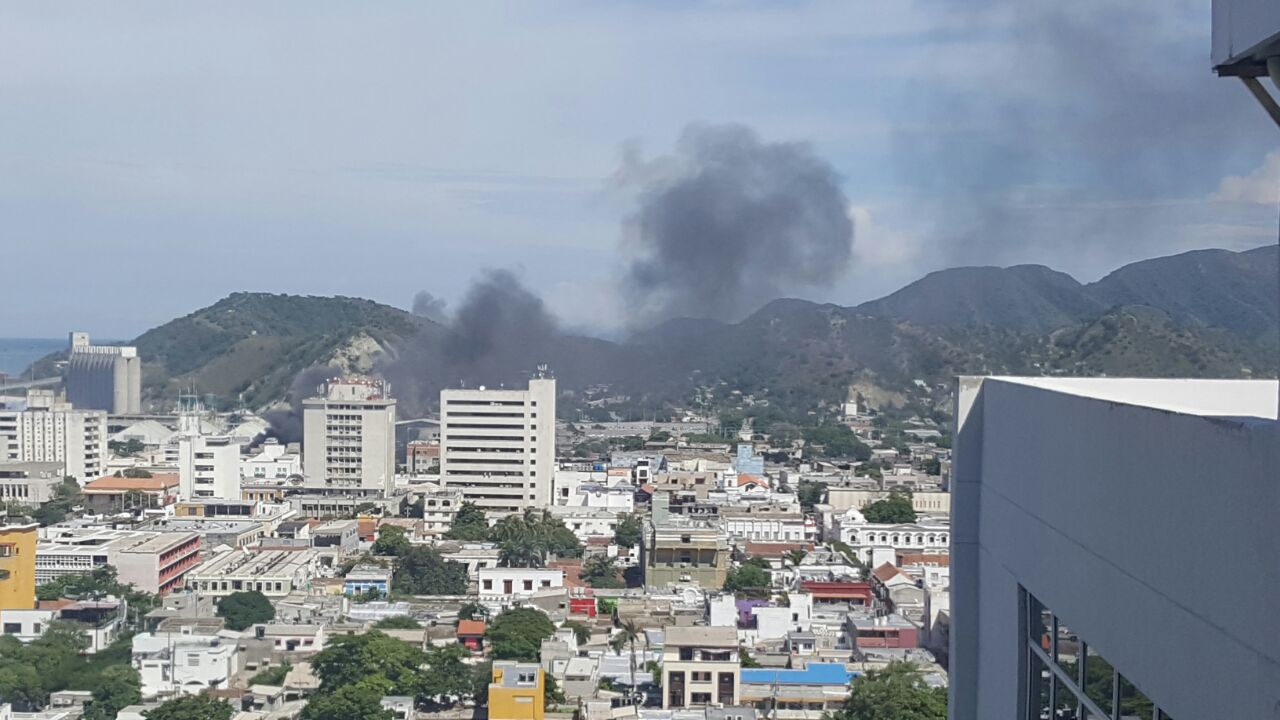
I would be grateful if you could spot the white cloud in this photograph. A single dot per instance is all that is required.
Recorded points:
(1260, 187)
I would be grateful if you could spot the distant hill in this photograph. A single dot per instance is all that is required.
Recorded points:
(1207, 313)
(1233, 291)
(1024, 298)
(251, 345)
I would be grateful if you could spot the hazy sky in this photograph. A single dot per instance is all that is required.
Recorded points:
(156, 156)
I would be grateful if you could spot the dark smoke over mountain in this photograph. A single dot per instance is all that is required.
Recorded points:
(430, 307)
(499, 334)
(728, 223)
(286, 424)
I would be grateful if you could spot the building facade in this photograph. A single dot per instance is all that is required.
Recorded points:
(1078, 505)
(17, 566)
(498, 447)
(104, 377)
(349, 436)
(700, 667)
(44, 430)
(517, 691)
(208, 468)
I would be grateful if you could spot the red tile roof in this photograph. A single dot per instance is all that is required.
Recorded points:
(470, 627)
(886, 572)
(158, 482)
(745, 479)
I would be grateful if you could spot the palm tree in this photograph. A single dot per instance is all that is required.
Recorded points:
(627, 635)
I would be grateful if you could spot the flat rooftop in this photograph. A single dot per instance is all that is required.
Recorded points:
(1206, 398)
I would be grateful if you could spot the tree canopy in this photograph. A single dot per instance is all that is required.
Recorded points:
(469, 524)
(897, 508)
(352, 658)
(897, 692)
(750, 577)
(601, 571)
(528, 539)
(392, 540)
(193, 707)
(630, 531)
(30, 672)
(246, 608)
(517, 634)
(422, 570)
(837, 441)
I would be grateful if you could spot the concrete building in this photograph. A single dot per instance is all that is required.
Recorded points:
(700, 667)
(504, 586)
(498, 446)
(274, 573)
(111, 494)
(208, 467)
(273, 461)
(349, 436)
(796, 694)
(104, 377)
(1079, 506)
(517, 691)
(185, 657)
(676, 550)
(17, 566)
(439, 508)
(421, 457)
(756, 522)
(41, 429)
(29, 483)
(155, 562)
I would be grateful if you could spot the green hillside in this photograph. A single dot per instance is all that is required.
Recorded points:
(251, 345)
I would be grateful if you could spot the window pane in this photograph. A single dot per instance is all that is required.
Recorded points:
(1099, 679)
(1132, 702)
(1038, 690)
(1066, 705)
(1068, 648)
(1039, 622)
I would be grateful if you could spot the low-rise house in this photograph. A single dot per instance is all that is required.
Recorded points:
(365, 579)
(111, 494)
(797, 694)
(699, 667)
(882, 631)
(185, 657)
(471, 635)
(501, 585)
(516, 691)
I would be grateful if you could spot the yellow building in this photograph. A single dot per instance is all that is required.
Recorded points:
(517, 691)
(17, 566)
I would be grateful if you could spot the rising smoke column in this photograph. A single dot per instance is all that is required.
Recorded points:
(285, 424)
(728, 223)
(430, 307)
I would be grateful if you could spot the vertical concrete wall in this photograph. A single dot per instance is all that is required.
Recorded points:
(1151, 533)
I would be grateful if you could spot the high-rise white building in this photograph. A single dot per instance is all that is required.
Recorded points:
(44, 430)
(104, 377)
(208, 467)
(349, 436)
(498, 447)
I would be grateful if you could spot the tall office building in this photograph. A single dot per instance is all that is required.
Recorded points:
(1080, 507)
(44, 430)
(104, 377)
(498, 447)
(349, 436)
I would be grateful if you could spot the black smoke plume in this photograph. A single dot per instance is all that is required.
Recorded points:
(430, 307)
(286, 423)
(498, 335)
(728, 223)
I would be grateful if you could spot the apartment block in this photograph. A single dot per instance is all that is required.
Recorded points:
(155, 562)
(208, 468)
(349, 436)
(41, 429)
(498, 446)
(17, 566)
